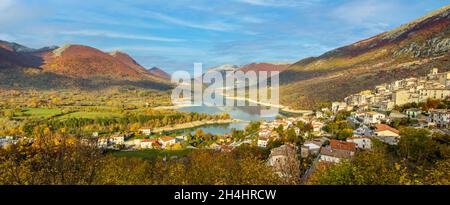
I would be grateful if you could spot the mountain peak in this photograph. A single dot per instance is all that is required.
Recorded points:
(264, 66)
(59, 51)
(224, 67)
(159, 72)
(118, 53)
(86, 62)
(15, 47)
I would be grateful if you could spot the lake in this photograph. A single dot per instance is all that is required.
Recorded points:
(244, 113)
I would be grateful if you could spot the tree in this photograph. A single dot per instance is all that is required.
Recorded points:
(416, 146)
(368, 168)
(292, 137)
(344, 134)
(49, 161)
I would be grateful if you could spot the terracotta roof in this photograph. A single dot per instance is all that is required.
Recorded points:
(328, 151)
(313, 142)
(263, 138)
(373, 113)
(150, 140)
(341, 145)
(284, 150)
(167, 138)
(359, 137)
(383, 127)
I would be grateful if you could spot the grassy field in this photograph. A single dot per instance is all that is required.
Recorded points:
(38, 112)
(151, 154)
(90, 115)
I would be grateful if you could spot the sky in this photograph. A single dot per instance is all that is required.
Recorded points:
(174, 34)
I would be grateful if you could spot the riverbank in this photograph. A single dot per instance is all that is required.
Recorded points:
(193, 125)
(171, 107)
(281, 107)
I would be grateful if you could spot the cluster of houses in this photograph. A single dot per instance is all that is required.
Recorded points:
(267, 133)
(165, 142)
(368, 125)
(225, 143)
(120, 141)
(371, 105)
(436, 118)
(335, 150)
(374, 111)
(112, 141)
(410, 90)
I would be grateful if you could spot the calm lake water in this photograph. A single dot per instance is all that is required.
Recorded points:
(245, 113)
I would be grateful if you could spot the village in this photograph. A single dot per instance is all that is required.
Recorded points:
(368, 116)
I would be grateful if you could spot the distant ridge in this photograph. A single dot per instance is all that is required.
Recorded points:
(265, 67)
(159, 72)
(78, 63)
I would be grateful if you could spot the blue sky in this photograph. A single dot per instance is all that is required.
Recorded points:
(173, 34)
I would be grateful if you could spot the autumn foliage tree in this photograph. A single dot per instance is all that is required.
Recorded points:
(65, 160)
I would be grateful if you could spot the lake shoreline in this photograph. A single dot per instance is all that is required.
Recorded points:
(194, 125)
(281, 107)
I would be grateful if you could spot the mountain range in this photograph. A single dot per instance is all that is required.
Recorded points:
(409, 50)
(77, 65)
(263, 66)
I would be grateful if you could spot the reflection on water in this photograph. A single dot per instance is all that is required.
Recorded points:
(244, 113)
(219, 129)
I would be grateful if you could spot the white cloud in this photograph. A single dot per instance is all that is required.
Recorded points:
(361, 11)
(280, 3)
(252, 19)
(110, 34)
(5, 4)
(13, 13)
(173, 50)
(215, 26)
(7, 37)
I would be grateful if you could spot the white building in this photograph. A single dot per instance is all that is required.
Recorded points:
(181, 138)
(337, 151)
(434, 93)
(145, 131)
(265, 133)
(387, 134)
(4, 141)
(166, 141)
(413, 112)
(373, 118)
(317, 126)
(310, 147)
(363, 131)
(263, 141)
(338, 106)
(439, 118)
(361, 142)
(328, 154)
(117, 139)
(149, 143)
(102, 143)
